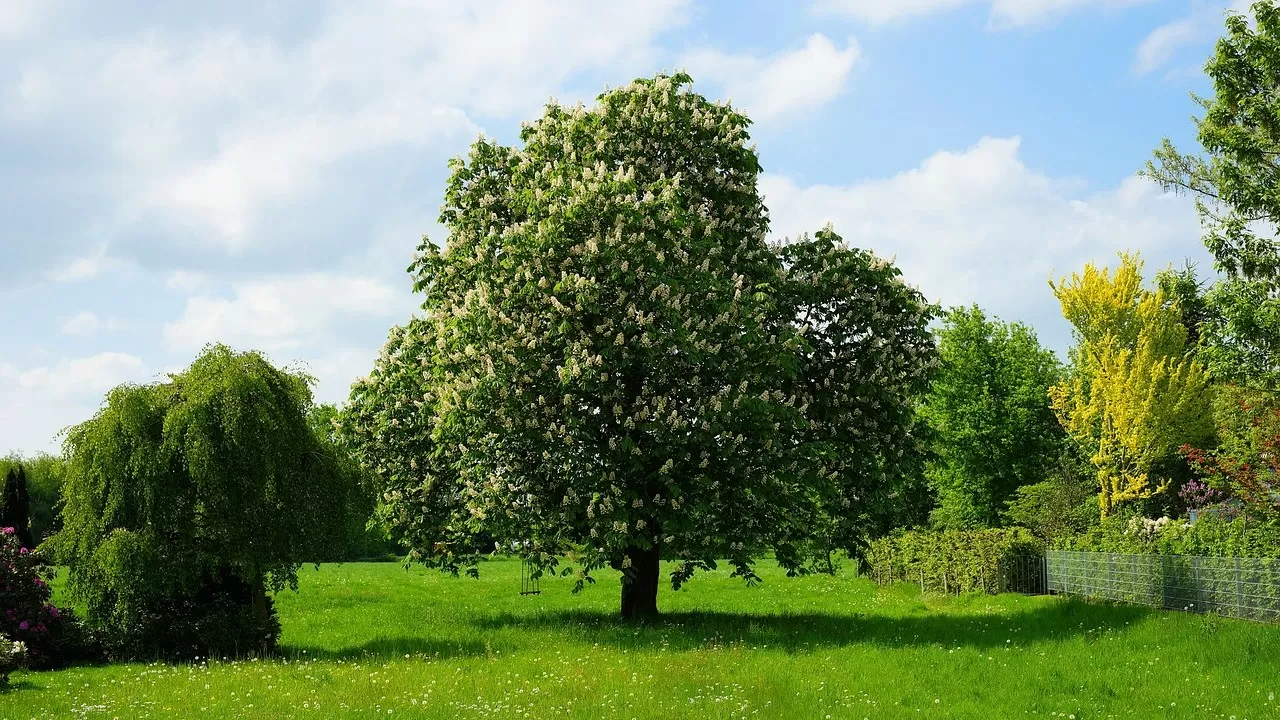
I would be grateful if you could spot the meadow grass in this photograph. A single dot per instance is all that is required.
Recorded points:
(366, 640)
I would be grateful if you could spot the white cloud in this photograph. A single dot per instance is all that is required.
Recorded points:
(95, 263)
(186, 280)
(321, 323)
(36, 403)
(207, 131)
(198, 147)
(790, 81)
(1162, 44)
(980, 226)
(87, 323)
(1003, 13)
(19, 16)
(284, 314)
(82, 324)
(90, 375)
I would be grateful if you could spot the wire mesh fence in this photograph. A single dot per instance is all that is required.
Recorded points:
(1023, 574)
(1238, 587)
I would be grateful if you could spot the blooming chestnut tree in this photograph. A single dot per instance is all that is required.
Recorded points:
(613, 367)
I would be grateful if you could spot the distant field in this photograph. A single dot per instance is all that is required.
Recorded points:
(368, 640)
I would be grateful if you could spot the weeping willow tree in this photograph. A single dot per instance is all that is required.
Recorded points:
(187, 501)
(1134, 394)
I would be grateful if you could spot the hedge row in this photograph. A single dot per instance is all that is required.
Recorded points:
(956, 561)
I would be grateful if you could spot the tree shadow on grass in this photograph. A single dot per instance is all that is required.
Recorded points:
(390, 647)
(16, 685)
(805, 632)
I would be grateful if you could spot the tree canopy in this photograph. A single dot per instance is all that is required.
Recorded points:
(988, 406)
(1236, 183)
(203, 490)
(15, 512)
(613, 367)
(43, 473)
(1134, 394)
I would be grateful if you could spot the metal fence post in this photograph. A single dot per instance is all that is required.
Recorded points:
(1239, 596)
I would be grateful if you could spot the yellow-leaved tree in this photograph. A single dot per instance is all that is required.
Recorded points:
(1134, 394)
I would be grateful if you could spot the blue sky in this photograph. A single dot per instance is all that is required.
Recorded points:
(258, 173)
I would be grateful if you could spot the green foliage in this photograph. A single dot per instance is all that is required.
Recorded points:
(1066, 503)
(367, 537)
(186, 500)
(1185, 291)
(1133, 396)
(1241, 340)
(988, 407)
(15, 513)
(44, 474)
(1237, 192)
(952, 560)
(864, 364)
(1209, 535)
(613, 366)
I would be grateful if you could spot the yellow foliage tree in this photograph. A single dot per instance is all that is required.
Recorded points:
(1134, 395)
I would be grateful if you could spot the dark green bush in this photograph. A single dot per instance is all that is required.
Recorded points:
(954, 560)
(217, 620)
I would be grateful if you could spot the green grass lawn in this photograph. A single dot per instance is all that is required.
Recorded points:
(366, 640)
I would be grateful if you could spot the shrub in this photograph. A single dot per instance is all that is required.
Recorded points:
(52, 637)
(1245, 465)
(1064, 504)
(954, 560)
(219, 619)
(24, 593)
(12, 655)
(1211, 535)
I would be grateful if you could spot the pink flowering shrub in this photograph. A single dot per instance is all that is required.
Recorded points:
(25, 611)
(51, 636)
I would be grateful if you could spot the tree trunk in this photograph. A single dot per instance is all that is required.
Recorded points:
(640, 583)
(262, 611)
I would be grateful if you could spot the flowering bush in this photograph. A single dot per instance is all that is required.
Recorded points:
(12, 655)
(1197, 495)
(51, 637)
(1212, 534)
(1246, 465)
(1148, 528)
(25, 611)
